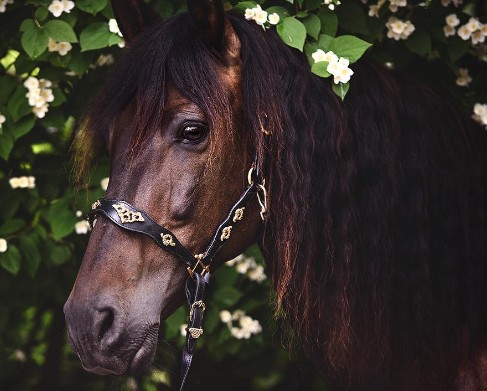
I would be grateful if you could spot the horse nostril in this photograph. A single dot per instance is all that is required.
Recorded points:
(107, 317)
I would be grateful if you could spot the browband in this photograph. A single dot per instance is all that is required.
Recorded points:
(132, 219)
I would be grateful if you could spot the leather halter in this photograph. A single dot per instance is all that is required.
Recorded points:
(132, 219)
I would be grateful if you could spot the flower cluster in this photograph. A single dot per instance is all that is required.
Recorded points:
(337, 66)
(2, 120)
(61, 47)
(480, 113)
(260, 16)
(463, 77)
(3, 5)
(398, 29)
(473, 29)
(3, 245)
(241, 326)
(332, 3)
(394, 5)
(57, 7)
(248, 266)
(39, 95)
(23, 182)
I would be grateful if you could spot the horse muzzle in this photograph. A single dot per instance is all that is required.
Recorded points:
(107, 341)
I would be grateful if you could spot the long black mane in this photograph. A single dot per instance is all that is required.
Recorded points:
(376, 236)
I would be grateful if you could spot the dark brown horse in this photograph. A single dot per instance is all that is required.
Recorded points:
(375, 235)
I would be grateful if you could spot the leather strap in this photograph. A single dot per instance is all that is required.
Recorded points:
(132, 219)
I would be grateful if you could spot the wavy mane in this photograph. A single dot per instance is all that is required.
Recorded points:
(376, 236)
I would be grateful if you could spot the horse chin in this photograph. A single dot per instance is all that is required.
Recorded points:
(143, 357)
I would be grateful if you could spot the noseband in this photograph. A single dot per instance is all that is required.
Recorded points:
(132, 219)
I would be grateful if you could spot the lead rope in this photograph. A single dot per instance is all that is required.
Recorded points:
(132, 219)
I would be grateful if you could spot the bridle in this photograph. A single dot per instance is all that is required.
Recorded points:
(132, 219)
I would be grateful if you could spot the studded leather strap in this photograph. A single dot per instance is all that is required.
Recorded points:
(132, 219)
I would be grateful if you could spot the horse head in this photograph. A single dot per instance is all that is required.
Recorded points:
(176, 138)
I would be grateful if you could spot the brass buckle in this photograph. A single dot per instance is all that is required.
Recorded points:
(196, 304)
(204, 268)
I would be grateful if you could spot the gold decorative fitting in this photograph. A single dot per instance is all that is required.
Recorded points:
(226, 233)
(195, 333)
(167, 240)
(196, 304)
(239, 213)
(126, 215)
(95, 204)
(204, 268)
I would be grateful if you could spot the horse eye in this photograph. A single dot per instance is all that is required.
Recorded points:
(194, 133)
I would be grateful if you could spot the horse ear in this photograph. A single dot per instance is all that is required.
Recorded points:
(133, 16)
(214, 27)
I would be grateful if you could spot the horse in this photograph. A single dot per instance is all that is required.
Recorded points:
(370, 213)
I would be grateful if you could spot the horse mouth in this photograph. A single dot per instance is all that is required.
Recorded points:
(144, 355)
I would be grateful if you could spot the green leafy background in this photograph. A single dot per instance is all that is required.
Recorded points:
(44, 251)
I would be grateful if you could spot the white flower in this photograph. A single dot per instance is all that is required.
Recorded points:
(449, 31)
(260, 17)
(68, 6)
(464, 33)
(3, 245)
(452, 20)
(340, 70)
(82, 227)
(14, 183)
(79, 213)
(104, 183)
(52, 45)
(480, 113)
(31, 182)
(2, 120)
(398, 29)
(394, 4)
(182, 329)
(19, 355)
(473, 24)
(273, 18)
(478, 37)
(31, 83)
(40, 112)
(3, 5)
(104, 59)
(320, 56)
(225, 316)
(374, 9)
(56, 8)
(257, 274)
(23, 182)
(250, 13)
(64, 48)
(113, 27)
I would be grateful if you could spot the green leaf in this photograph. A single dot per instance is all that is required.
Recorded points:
(10, 260)
(12, 226)
(60, 31)
(419, 42)
(59, 254)
(313, 25)
(27, 24)
(22, 127)
(97, 36)
(41, 13)
(349, 47)
(61, 219)
(90, 6)
(30, 254)
(352, 17)
(243, 5)
(329, 22)
(281, 11)
(292, 32)
(6, 144)
(457, 48)
(9, 84)
(227, 296)
(34, 40)
(319, 69)
(341, 89)
(18, 106)
(324, 42)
